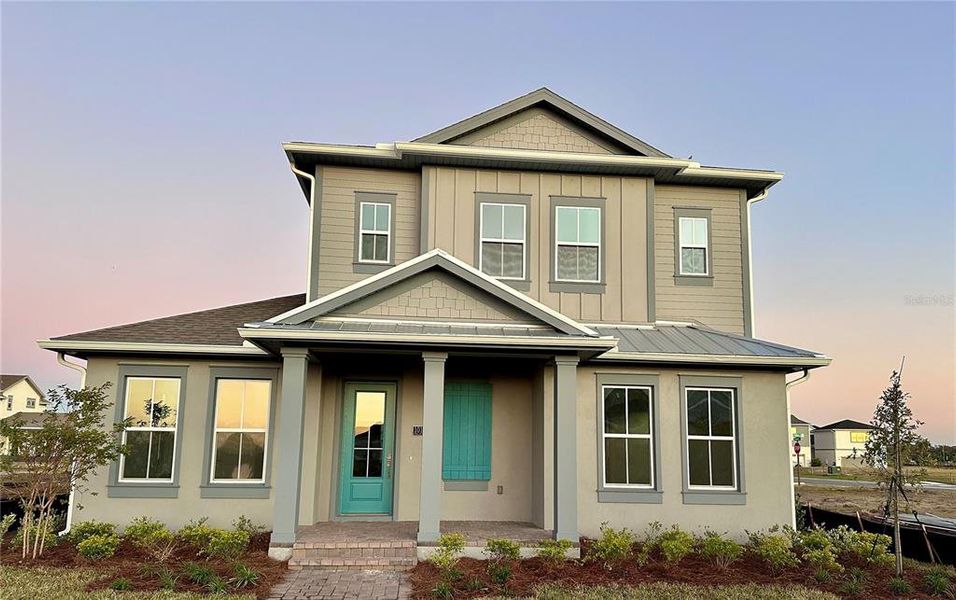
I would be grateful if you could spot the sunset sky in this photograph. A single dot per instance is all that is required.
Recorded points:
(142, 174)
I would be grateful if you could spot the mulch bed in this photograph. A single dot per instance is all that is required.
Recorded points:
(129, 561)
(532, 573)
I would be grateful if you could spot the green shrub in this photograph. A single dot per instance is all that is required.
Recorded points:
(816, 462)
(648, 542)
(613, 545)
(142, 530)
(121, 584)
(216, 585)
(196, 533)
(197, 573)
(52, 539)
(244, 576)
(167, 579)
(81, 531)
(821, 575)
(450, 545)
(229, 545)
(675, 544)
(851, 587)
(554, 550)
(245, 524)
(6, 523)
(874, 547)
(900, 586)
(500, 572)
(719, 550)
(818, 549)
(443, 589)
(499, 550)
(774, 549)
(823, 558)
(98, 546)
(936, 582)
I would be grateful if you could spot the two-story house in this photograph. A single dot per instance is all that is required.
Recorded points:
(18, 394)
(528, 316)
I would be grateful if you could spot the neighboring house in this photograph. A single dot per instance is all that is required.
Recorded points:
(530, 315)
(18, 394)
(27, 420)
(800, 431)
(842, 443)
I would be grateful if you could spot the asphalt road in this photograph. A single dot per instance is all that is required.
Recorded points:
(850, 483)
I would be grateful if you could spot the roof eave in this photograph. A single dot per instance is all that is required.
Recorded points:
(84, 348)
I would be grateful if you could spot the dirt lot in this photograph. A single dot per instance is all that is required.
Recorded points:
(850, 500)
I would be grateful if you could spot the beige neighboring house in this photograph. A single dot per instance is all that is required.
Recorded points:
(842, 443)
(527, 316)
(18, 394)
(800, 432)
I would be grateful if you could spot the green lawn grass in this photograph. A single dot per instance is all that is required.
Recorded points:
(937, 474)
(679, 591)
(27, 583)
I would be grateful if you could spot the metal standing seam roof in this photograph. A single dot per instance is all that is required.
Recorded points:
(376, 326)
(691, 339)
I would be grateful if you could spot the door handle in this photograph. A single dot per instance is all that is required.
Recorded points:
(388, 465)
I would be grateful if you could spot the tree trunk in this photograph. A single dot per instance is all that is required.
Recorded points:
(897, 546)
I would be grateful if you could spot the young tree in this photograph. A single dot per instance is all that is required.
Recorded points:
(893, 443)
(43, 463)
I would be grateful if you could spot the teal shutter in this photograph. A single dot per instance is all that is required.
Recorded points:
(466, 445)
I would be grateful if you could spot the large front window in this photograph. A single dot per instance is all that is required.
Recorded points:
(151, 411)
(503, 240)
(241, 428)
(628, 436)
(374, 232)
(711, 438)
(578, 244)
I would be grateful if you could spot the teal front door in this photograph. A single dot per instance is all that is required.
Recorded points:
(366, 465)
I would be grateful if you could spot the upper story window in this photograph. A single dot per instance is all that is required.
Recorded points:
(9, 402)
(152, 407)
(711, 438)
(503, 240)
(628, 437)
(694, 246)
(31, 402)
(859, 437)
(577, 248)
(240, 430)
(375, 231)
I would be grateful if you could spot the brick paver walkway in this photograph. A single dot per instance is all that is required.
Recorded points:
(324, 584)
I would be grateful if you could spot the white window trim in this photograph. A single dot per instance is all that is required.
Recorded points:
(705, 247)
(149, 450)
(215, 430)
(31, 403)
(387, 233)
(523, 241)
(709, 438)
(558, 243)
(646, 436)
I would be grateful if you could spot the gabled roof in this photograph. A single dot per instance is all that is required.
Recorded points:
(845, 424)
(33, 420)
(543, 97)
(434, 259)
(11, 380)
(795, 420)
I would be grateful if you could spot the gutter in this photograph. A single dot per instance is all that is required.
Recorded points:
(60, 358)
(790, 384)
(750, 262)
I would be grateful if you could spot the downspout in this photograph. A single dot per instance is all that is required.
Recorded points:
(60, 358)
(793, 500)
(750, 261)
(311, 178)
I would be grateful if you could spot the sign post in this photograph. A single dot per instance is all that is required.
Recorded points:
(796, 450)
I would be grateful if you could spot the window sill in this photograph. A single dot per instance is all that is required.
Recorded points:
(466, 485)
(636, 496)
(694, 280)
(142, 490)
(730, 497)
(370, 268)
(580, 287)
(234, 490)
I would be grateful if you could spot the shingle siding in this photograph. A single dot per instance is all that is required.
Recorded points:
(539, 132)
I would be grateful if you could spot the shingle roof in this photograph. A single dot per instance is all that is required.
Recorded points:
(845, 424)
(8, 380)
(33, 419)
(691, 339)
(795, 420)
(214, 326)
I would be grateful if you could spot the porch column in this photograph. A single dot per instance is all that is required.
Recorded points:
(565, 449)
(429, 510)
(288, 467)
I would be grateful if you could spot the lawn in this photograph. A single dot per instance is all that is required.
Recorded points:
(28, 583)
(935, 474)
(679, 591)
(941, 503)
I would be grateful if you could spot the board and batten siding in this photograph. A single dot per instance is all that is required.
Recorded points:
(450, 225)
(337, 219)
(721, 305)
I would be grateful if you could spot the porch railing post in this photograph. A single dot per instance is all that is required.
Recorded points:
(288, 470)
(565, 449)
(429, 517)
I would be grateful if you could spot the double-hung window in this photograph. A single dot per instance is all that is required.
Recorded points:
(694, 246)
(503, 228)
(375, 230)
(577, 248)
(9, 402)
(859, 437)
(711, 438)
(628, 436)
(241, 430)
(151, 409)
(31, 402)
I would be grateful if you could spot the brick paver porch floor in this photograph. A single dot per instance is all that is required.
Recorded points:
(476, 532)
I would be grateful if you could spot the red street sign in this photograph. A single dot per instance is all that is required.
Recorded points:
(796, 447)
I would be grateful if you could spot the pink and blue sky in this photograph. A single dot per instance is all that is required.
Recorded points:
(142, 174)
